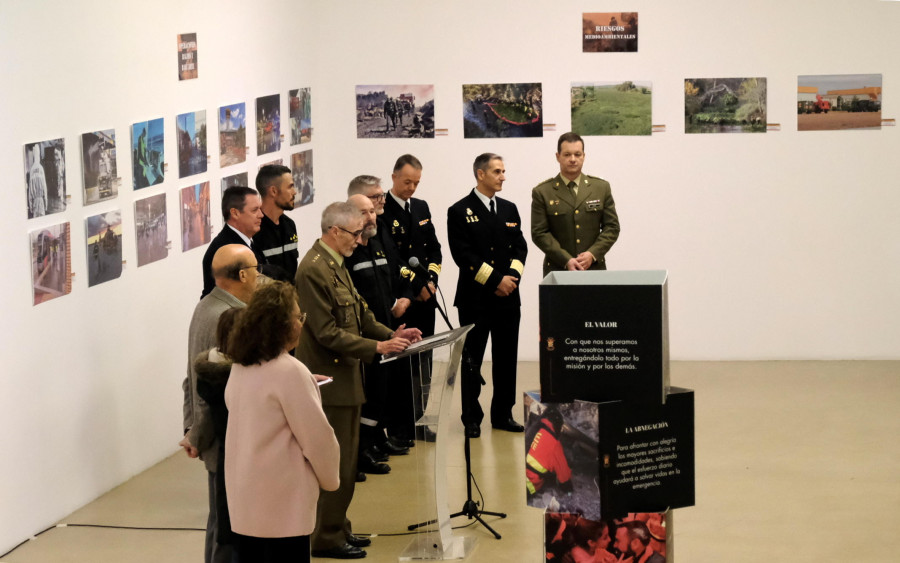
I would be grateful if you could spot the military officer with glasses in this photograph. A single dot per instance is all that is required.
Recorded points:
(340, 333)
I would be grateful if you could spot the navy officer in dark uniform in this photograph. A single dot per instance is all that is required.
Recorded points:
(486, 242)
(409, 223)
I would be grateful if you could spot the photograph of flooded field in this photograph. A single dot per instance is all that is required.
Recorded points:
(725, 105)
(831, 102)
(612, 108)
(502, 110)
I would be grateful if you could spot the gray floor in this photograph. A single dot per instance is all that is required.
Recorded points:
(796, 461)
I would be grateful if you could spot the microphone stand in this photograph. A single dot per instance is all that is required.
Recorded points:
(470, 508)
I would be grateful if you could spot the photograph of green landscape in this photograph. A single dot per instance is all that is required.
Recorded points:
(502, 110)
(725, 105)
(611, 108)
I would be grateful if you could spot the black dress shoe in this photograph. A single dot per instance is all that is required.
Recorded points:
(376, 454)
(360, 476)
(473, 430)
(368, 465)
(390, 449)
(401, 442)
(509, 425)
(358, 541)
(345, 551)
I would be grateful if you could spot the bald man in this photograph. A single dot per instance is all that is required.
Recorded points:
(235, 270)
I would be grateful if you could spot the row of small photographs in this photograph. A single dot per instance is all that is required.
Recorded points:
(45, 161)
(51, 257)
(711, 105)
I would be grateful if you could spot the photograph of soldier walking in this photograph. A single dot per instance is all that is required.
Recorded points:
(398, 111)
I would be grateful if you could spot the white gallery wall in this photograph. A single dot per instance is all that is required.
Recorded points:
(780, 245)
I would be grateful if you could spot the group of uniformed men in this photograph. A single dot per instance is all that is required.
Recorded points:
(364, 301)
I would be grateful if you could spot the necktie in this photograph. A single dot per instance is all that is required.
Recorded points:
(406, 207)
(493, 212)
(574, 187)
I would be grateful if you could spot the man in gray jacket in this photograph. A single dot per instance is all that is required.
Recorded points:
(235, 269)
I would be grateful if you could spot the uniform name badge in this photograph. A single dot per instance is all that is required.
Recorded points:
(594, 205)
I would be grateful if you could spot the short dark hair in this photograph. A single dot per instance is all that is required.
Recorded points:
(265, 327)
(223, 329)
(407, 159)
(360, 183)
(482, 161)
(569, 138)
(268, 175)
(235, 197)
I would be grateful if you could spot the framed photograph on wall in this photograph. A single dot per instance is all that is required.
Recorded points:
(612, 108)
(99, 169)
(232, 134)
(45, 177)
(151, 229)
(725, 105)
(300, 106)
(830, 102)
(302, 170)
(148, 153)
(196, 228)
(51, 262)
(239, 179)
(395, 111)
(502, 110)
(104, 247)
(191, 132)
(268, 124)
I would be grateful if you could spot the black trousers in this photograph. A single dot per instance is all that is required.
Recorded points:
(272, 550)
(502, 325)
(410, 381)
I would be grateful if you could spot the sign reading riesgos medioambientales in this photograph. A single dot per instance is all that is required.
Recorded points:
(609, 32)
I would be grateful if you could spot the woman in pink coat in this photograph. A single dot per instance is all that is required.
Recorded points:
(279, 447)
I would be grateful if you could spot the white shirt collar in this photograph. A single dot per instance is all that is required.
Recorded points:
(486, 200)
(242, 235)
(400, 202)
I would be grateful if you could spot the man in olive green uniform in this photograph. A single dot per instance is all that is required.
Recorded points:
(573, 215)
(340, 331)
